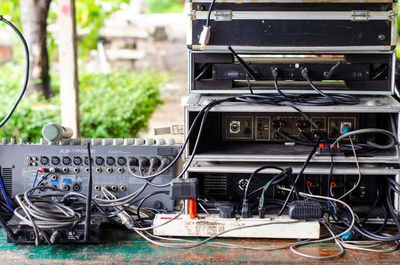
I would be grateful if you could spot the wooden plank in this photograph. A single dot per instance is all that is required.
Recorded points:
(69, 92)
(125, 247)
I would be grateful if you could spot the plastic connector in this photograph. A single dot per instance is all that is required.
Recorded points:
(155, 162)
(143, 161)
(126, 220)
(56, 237)
(348, 236)
(184, 189)
(304, 73)
(165, 161)
(261, 213)
(275, 72)
(327, 150)
(225, 209)
(246, 211)
(204, 37)
(309, 210)
(345, 129)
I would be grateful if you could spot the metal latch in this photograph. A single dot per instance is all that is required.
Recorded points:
(192, 15)
(223, 15)
(360, 15)
(176, 129)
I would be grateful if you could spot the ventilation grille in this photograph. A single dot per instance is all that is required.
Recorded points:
(6, 174)
(215, 185)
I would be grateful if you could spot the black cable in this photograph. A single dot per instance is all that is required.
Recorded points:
(86, 234)
(254, 174)
(26, 78)
(275, 74)
(329, 74)
(392, 212)
(380, 73)
(201, 115)
(292, 139)
(203, 71)
(372, 235)
(209, 13)
(246, 67)
(8, 231)
(249, 84)
(145, 198)
(334, 97)
(298, 176)
(266, 188)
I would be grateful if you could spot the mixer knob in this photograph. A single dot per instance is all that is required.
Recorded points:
(117, 141)
(65, 142)
(160, 141)
(171, 141)
(12, 140)
(4, 141)
(129, 141)
(75, 141)
(106, 141)
(139, 141)
(43, 141)
(149, 141)
(95, 141)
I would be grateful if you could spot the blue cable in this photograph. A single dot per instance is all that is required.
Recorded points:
(3, 190)
(345, 130)
(34, 181)
(334, 209)
(40, 182)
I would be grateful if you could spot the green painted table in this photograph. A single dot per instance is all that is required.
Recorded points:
(123, 247)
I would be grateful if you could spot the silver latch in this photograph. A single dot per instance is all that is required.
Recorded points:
(192, 15)
(360, 15)
(223, 15)
(176, 129)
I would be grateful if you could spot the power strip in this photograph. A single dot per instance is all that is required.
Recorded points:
(210, 225)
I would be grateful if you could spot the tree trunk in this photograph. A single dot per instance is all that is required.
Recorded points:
(33, 17)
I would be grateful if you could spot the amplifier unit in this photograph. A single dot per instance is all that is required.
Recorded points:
(228, 181)
(223, 73)
(240, 131)
(293, 26)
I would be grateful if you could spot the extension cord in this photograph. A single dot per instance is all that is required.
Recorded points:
(210, 225)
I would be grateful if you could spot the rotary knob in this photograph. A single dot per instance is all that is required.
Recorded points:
(65, 142)
(76, 141)
(171, 141)
(106, 141)
(129, 141)
(149, 141)
(95, 141)
(160, 141)
(117, 141)
(139, 141)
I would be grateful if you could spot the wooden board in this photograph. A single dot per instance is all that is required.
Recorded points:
(124, 247)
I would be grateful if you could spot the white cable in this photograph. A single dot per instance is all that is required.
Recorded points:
(358, 169)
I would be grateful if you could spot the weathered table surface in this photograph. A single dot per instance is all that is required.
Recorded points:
(123, 247)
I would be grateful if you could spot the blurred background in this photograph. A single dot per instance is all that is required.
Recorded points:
(132, 65)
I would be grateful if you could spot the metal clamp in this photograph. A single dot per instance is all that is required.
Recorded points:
(360, 15)
(223, 15)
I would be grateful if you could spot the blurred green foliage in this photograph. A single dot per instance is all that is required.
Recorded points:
(90, 17)
(164, 6)
(111, 105)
